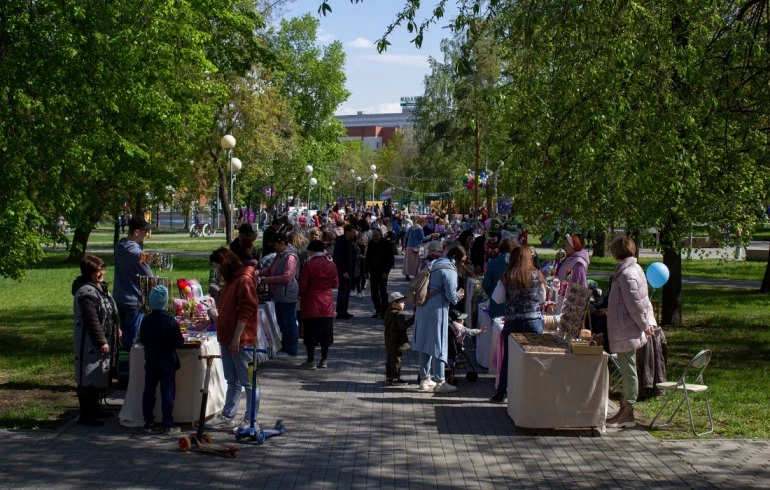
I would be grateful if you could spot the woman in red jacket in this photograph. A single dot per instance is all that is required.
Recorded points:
(236, 329)
(318, 278)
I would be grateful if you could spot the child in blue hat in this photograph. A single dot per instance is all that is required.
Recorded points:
(160, 335)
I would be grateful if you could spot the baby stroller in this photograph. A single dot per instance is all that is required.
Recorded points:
(458, 359)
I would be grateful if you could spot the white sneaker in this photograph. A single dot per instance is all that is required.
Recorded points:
(445, 387)
(243, 424)
(221, 422)
(427, 384)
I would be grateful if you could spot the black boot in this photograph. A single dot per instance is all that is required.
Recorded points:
(85, 399)
(99, 412)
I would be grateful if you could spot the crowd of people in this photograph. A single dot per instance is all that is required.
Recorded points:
(301, 262)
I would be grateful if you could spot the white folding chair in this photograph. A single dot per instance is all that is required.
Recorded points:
(698, 363)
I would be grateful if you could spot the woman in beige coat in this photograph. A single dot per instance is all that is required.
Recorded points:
(629, 320)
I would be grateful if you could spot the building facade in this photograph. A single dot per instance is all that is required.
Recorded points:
(377, 130)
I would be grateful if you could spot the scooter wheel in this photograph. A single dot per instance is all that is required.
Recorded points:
(472, 376)
(184, 444)
(261, 436)
(207, 438)
(233, 452)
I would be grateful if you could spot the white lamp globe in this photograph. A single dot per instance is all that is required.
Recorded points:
(352, 171)
(373, 167)
(358, 179)
(375, 176)
(309, 169)
(236, 165)
(227, 142)
(313, 181)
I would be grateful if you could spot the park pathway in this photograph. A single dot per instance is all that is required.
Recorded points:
(345, 429)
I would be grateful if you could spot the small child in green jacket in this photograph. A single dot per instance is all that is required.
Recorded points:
(396, 340)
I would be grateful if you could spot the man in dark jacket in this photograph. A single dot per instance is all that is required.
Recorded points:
(160, 335)
(379, 261)
(345, 256)
(268, 237)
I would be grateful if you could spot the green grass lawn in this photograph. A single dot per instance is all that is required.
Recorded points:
(36, 324)
(36, 366)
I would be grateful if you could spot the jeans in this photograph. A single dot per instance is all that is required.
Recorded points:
(130, 321)
(425, 367)
(286, 314)
(167, 392)
(343, 296)
(236, 370)
(534, 325)
(379, 288)
(627, 365)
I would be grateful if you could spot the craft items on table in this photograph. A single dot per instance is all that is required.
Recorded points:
(146, 283)
(574, 310)
(532, 342)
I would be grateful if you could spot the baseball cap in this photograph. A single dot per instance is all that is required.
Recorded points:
(395, 296)
(138, 223)
(455, 315)
(246, 229)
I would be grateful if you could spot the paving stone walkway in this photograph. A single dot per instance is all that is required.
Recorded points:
(345, 429)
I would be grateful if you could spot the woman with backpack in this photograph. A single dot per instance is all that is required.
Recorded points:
(431, 325)
(282, 276)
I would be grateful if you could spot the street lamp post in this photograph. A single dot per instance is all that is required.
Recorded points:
(355, 188)
(235, 167)
(228, 143)
(373, 167)
(310, 184)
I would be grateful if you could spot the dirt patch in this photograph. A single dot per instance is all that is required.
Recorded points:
(25, 408)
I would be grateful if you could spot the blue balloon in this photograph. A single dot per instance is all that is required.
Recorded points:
(657, 274)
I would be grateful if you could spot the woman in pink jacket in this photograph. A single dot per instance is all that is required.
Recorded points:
(629, 320)
(318, 278)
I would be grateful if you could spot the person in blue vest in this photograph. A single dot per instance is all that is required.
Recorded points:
(495, 270)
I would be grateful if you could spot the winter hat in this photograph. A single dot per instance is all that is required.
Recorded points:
(159, 298)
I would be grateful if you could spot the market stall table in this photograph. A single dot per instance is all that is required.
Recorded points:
(556, 389)
(189, 381)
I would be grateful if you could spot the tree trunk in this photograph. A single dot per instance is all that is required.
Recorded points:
(765, 288)
(672, 290)
(116, 235)
(600, 244)
(476, 173)
(79, 244)
(225, 199)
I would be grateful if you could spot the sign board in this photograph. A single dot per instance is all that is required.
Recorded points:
(574, 309)
(409, 101)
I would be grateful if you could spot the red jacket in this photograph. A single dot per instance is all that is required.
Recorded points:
(318, 277)
(238, 301)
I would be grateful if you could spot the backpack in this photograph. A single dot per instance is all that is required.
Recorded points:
(418, 293)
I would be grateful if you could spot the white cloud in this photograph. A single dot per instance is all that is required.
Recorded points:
(384, 108)
(360, 43)
(325, 37)
(396, 59)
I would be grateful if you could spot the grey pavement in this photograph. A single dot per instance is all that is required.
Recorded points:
(345, 429)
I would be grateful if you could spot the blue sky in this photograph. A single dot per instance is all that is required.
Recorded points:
(376, 81)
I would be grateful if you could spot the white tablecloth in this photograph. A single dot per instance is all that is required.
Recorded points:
(470, 287)
(486, 343)
(268, 333)
(553, 390)
(189, 382)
